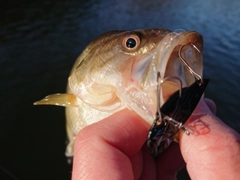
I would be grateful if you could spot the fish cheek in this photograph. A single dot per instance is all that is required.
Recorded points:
(127, 69)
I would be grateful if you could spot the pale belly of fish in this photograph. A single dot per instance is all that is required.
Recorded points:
(119, 70)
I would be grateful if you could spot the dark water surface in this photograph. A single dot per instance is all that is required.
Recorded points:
(40, 40)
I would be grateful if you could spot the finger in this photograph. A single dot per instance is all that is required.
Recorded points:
(149, 166)
(213, 151)
(211, 105)
(169, 162)
(102, 150)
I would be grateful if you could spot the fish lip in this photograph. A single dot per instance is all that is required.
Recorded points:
(165, 53)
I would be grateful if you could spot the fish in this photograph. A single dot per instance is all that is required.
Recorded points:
(119, 70)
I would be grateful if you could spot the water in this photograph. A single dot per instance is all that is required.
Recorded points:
(40, 40)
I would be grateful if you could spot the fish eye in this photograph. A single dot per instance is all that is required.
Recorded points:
(131, 42)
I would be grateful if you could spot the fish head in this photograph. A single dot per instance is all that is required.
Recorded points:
(119, 69)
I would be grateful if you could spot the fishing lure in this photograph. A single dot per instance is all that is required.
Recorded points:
(172, 115)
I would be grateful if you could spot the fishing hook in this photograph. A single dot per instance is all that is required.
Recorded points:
(196, 75)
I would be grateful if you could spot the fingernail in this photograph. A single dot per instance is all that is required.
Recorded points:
(211, 105)
(202, 108)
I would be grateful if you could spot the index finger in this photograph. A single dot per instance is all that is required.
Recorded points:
(103, 150)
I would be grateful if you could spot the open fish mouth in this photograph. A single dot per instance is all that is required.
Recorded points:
(187, 45)
(165, 59)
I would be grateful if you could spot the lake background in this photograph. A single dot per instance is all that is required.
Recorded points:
(40, 40)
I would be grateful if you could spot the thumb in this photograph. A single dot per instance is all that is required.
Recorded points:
(213, 150)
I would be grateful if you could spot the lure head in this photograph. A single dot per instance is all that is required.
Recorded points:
(160, 136)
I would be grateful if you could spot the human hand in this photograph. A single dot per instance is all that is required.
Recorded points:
(114, 148)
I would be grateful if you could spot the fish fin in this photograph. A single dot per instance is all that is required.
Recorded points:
(66, 100)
